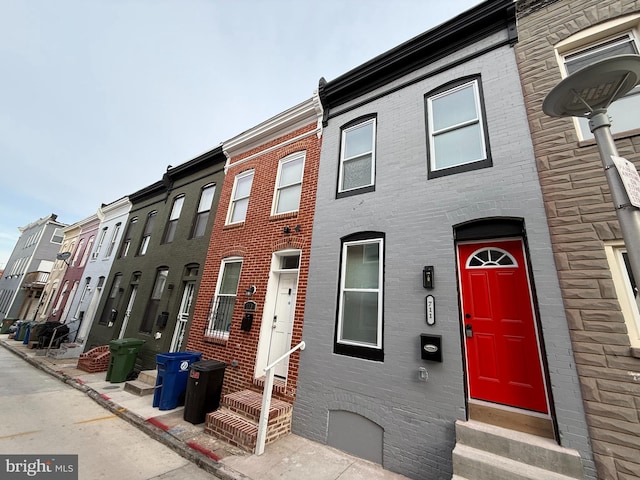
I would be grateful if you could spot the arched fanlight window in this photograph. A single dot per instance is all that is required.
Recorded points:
(491, 257)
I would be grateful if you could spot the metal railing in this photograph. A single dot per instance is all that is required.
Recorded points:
(266, 398)
(220, 314)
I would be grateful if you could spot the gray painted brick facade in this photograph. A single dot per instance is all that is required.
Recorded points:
(417, 215)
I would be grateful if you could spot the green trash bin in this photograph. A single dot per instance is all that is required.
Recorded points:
(6, 325)
(123, 358)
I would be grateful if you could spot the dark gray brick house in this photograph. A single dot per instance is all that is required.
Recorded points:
(433, 305)
(155, 276)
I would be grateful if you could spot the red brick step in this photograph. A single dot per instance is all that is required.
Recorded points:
(236, 422)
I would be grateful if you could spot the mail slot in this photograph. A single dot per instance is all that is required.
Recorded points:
(431, 347)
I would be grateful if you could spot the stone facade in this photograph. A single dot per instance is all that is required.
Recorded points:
(582, 222)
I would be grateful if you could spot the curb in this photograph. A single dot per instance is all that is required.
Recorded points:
(194, 454)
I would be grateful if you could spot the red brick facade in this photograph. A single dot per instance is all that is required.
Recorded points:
(255, 240)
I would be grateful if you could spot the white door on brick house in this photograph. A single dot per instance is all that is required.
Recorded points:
(282, 321)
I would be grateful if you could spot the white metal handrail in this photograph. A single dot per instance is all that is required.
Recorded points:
(266, 398)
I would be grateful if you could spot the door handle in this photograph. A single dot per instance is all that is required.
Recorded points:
(468, 330)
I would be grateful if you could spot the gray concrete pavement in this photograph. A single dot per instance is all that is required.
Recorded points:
(43, 416)
(290, 458)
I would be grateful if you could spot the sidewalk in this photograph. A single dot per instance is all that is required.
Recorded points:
(292, 457)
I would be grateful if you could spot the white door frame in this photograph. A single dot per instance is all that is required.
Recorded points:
(127, 313)
(270, 304)
(183, 316)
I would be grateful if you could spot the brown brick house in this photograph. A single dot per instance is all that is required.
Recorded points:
(599, 294)
(250, 305)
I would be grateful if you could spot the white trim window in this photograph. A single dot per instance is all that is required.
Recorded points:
(617, 37)
(204, 208)
(128, 234)
(357, 156)
(224, 301)
(101, 238)
(359, 323)
(289, 184)
(456, 130)
(174, 216)
(240, 197)
(87, 250)
(626, 289)
(78, 252)
(114, 239)
(148, 230)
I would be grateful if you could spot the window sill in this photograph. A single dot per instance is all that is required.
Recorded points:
(215, 340)
(233, 226)
(283, 216)
(617, 136)
(364, 353)
(356, 191)
(635, 352)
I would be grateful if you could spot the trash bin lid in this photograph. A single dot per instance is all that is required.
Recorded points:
(124, 342)
(208, 365)
(172, 357)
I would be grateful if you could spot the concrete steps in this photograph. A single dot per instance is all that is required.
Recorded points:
(488, 452)
(145, 384)
(236, 421)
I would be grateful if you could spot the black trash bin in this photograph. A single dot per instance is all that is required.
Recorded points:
(204, 389)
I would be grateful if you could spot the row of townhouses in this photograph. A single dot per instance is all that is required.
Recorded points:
(449, 254)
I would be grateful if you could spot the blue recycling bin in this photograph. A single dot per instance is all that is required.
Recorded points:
(171, 379)
(20, 330)
(31, 326)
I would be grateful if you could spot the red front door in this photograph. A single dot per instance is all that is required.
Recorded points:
(503, 357)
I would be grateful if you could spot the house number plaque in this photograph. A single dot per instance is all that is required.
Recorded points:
(431, 310)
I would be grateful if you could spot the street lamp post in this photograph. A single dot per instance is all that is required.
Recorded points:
(588, 93)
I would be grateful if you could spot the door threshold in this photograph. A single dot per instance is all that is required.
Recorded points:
(525, 421)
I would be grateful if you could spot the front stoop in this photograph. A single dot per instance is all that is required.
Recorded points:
(488, 452)
(66, 350)
(236, 421)
(145, 384)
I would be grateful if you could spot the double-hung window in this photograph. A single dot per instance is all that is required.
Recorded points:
(222, 305)
(577, 54)
(240, 197)
(103, 234)
(627, 289)
(126, 242)
(289, 184)
(146, 235)
(172, 223)
(357, 157)
(204, 208)
(114, 239)
(457, 135)
(360, 306)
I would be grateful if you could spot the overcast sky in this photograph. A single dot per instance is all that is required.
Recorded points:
(90, 89)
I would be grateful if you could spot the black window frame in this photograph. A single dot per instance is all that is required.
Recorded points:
(467, 167)
(360, 351)
(352, 123)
